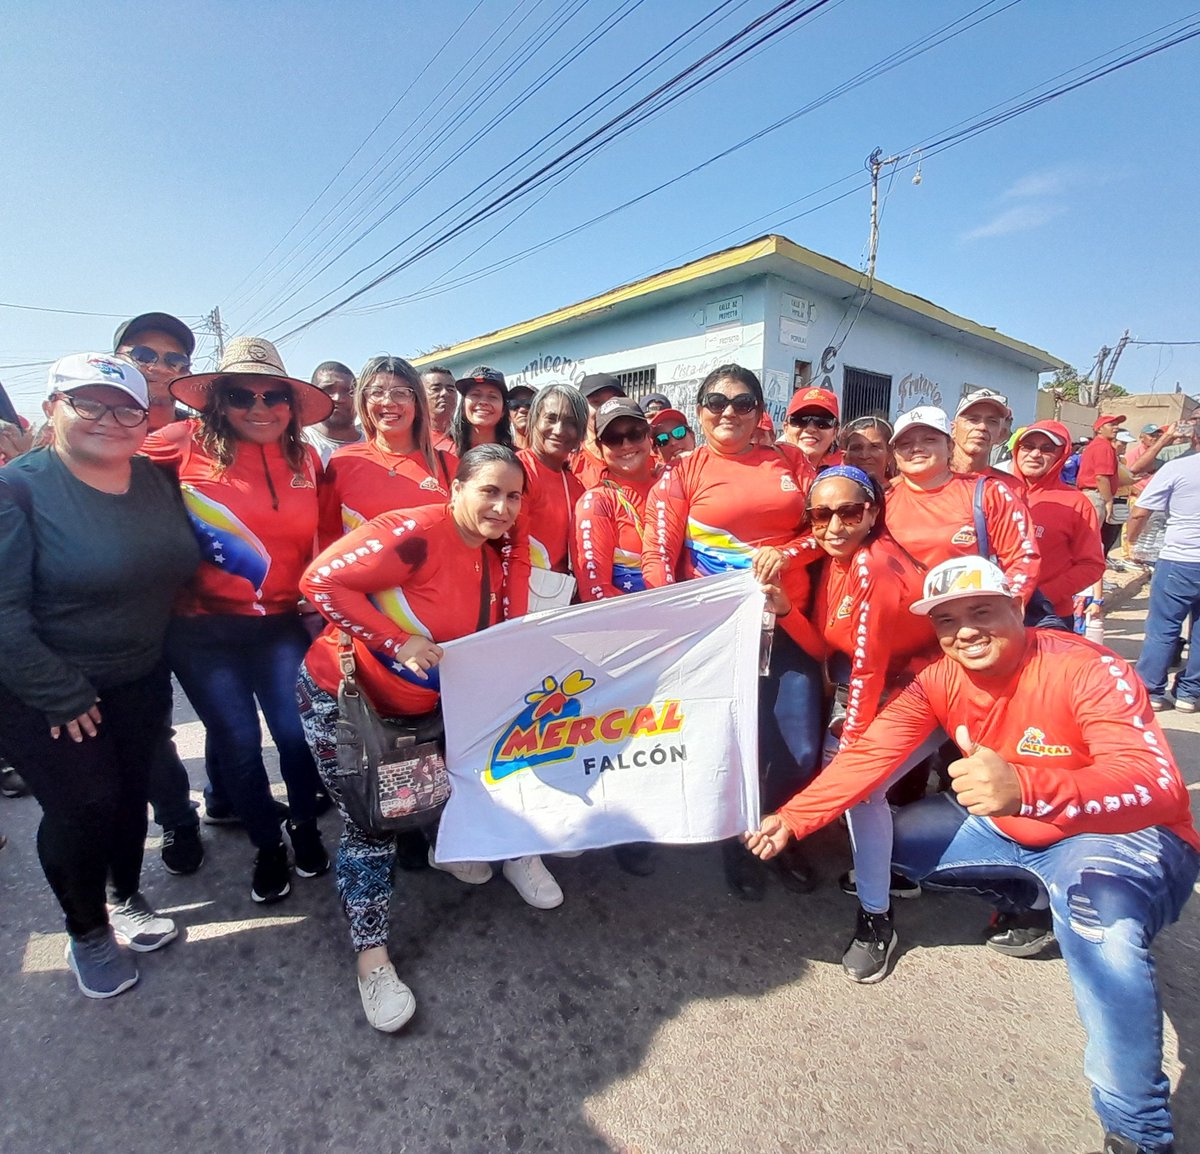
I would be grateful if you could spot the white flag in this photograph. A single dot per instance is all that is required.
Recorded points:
(634, 719)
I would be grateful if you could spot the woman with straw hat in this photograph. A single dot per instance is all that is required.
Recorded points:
(249, 484)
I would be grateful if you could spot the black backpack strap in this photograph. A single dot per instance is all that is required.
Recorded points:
(982, 542)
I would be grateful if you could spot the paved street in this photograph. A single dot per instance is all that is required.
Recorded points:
(657, 1016)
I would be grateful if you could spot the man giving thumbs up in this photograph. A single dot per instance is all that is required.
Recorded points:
(1068, 814)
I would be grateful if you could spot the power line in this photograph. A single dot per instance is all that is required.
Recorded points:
(72, 312)
(1175, 343)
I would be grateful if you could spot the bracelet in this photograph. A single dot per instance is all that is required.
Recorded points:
(1097, 600)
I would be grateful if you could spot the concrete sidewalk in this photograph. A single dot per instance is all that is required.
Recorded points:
(659, 1016)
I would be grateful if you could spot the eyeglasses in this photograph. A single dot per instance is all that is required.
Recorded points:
(146, 356)
(398, 395)
(127, 416)
(850, 514)
(810, 421)
(669, 435)
(717, 403)
(238, 398)
(518, 403)
(613, 438)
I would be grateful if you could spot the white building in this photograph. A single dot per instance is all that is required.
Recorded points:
(791, 315)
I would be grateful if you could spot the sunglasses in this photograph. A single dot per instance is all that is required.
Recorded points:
(675, 434)
(717, 403)
(127, 416)
(518, 403)
(144, 355)
(613, 438)
(238, 398)
(850, 514)
(809, 421)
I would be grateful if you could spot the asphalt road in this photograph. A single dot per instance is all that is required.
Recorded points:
(655, 1016)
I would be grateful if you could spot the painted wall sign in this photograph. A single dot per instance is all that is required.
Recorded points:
(548, 370)
(723, 312)
(793, 333)
(917, 389)
(798, 309)
(727, 340)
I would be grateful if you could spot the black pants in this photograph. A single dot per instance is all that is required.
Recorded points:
(92, 793)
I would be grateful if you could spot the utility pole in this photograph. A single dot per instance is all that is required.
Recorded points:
(874, 163)
(213, 324)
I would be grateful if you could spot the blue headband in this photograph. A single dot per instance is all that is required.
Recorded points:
(851, 474)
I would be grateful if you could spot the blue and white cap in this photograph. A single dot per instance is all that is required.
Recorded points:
(80, 370)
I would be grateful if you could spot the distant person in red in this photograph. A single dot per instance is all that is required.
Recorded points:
(765, 433)
(441, 397)
(538, 559)
(15, 439)
(520, 398)
(932, 511)
(587, 464)
(981, 422)
(865, 444)
(734, 505)
(1099, 475)
(1068, 534)
(1067, 812)
(672, 435)
(395, 466)
(482, 417)
(811, 425)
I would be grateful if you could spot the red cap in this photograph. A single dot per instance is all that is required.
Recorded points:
(1107, 419)
(672, 417)
(815, 398)
(766, 424)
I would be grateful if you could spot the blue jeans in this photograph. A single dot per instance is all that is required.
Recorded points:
(1174, 596)
(1109, 895)
(790, 722)
(227, 664)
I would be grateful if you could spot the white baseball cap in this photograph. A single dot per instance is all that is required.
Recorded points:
(926, 415)
(80, 370)
(961, 577)
(983, 397)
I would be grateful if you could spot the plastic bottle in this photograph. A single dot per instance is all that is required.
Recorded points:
(1094, 630)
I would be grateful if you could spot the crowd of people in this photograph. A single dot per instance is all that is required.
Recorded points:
(926, 677)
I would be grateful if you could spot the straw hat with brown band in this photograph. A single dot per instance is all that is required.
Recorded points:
(256, 358)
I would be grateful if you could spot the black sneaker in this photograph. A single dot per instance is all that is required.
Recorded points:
(412, 850)
(12, 784)
(1115, 1144)
(272, 875)
(870, 951)
(898, 887)
(182, 850)
(1021, 935)
(636, 858)
(226, 815)
(308, 851)
(744, 872)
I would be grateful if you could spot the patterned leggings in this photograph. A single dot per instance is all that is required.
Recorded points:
(366, 865)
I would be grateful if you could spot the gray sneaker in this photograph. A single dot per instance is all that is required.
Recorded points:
(102, 968)
(138, 926)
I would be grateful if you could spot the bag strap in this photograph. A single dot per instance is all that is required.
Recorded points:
(346, 662)
(485, 589)
(982, 542)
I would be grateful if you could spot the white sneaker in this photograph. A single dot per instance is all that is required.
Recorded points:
(387, 1001)
(474, 873)
(534, 882)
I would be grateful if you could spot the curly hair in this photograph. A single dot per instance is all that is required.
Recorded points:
(218, 438)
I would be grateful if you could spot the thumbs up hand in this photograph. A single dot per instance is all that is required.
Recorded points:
(985, 784)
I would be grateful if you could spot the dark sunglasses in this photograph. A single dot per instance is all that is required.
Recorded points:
(850, 514)
(717, 403)
(808, 420)
(144, 355)
(517, 403)
(675, 434)
(612, 438)
(127, 416)
(238, 398)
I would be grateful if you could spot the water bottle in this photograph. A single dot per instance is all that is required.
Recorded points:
(1094, 630)
(766, 641)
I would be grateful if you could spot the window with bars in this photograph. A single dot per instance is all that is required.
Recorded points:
(864, 393)
(638, 382)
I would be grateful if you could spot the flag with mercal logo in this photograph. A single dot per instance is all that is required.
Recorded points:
(634, 719)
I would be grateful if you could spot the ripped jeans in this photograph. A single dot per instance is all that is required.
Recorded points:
(1109, 895)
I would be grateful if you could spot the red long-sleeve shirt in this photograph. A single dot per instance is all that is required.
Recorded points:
(1067, 528)
(256, 522)
(937, 524)
(587, 467)
(361, 481)
(541, 538)
(406, 572)
(862, 611)
(1074, 721)
(1098, 459)
(708, 513)
(607, 548)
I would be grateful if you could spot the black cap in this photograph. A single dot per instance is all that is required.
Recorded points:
(651, 398)
(513, 390)
(482, 376)
(594, 382)
(163, 323)
(615, 408)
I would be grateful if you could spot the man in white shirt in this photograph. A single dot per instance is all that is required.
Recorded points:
(336, 381)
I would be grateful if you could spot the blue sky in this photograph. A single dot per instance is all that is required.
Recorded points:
(155, 154)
